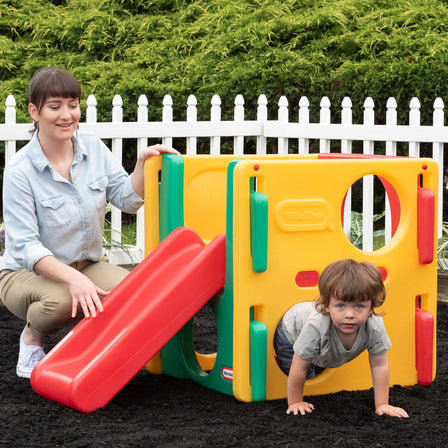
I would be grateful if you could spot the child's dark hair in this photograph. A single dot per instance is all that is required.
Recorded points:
(349, 281)
(50, 82)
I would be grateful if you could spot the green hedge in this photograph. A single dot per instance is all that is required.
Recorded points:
(335, 48)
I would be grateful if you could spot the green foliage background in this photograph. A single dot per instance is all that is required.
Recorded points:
(337, 48)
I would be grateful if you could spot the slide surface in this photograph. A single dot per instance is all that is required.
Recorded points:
(90, 365)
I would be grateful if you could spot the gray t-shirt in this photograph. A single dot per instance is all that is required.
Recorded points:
(314, 337)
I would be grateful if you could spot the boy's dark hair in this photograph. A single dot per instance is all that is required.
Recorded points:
(52, 81)
(349, 281)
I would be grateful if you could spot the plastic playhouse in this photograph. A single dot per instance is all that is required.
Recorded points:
(264, 227)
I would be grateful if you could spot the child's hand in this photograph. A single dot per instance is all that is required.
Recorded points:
(392, 411)
(302, 406)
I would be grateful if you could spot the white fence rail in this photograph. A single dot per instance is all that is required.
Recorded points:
(285, 135)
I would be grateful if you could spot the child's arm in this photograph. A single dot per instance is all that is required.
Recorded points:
(379, 365)
(296, 382)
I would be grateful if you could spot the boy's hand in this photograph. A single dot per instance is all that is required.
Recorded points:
(303, 407)
(392, 411)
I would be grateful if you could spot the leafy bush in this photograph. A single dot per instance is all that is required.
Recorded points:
(276, 47)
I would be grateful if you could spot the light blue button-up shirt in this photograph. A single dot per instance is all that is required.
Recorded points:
(45, 214)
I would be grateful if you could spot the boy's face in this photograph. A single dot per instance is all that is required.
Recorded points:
(348, 317)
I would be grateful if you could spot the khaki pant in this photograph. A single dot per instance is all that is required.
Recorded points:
(46, 305)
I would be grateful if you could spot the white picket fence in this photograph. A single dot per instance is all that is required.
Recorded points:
(289, 134)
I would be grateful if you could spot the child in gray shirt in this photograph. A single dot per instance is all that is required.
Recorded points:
(334, 329)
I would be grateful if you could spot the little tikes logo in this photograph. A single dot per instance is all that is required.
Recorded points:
(227, 373)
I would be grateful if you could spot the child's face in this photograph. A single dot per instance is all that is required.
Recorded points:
(349, 317)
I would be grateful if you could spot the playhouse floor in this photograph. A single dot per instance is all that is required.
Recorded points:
(160, 411)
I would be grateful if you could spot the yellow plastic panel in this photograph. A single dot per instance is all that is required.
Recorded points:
(305, 234)
(205, 185)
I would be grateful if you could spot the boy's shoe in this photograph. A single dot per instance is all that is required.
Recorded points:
(29, 356)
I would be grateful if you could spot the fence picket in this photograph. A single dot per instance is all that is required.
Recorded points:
(391, 150)
(325, 118)
(437, 155)
(414, 121)
(262, 117)
(167, 117)
(91, 115)
(367, 197)
(238, 116)
(304, 118)
(283, 117)
(346, 148)
(10, 118)
(192, 118)
(215, 117)
(142, 143)
(117, 151)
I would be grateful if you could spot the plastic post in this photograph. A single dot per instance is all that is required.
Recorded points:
(258, 359)
(259, 231)
(424, 345)
(425, 225)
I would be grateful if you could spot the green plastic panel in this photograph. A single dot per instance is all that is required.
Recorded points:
(258, 350)
(259, 231)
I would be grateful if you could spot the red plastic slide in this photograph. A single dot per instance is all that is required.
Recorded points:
(99, 356)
